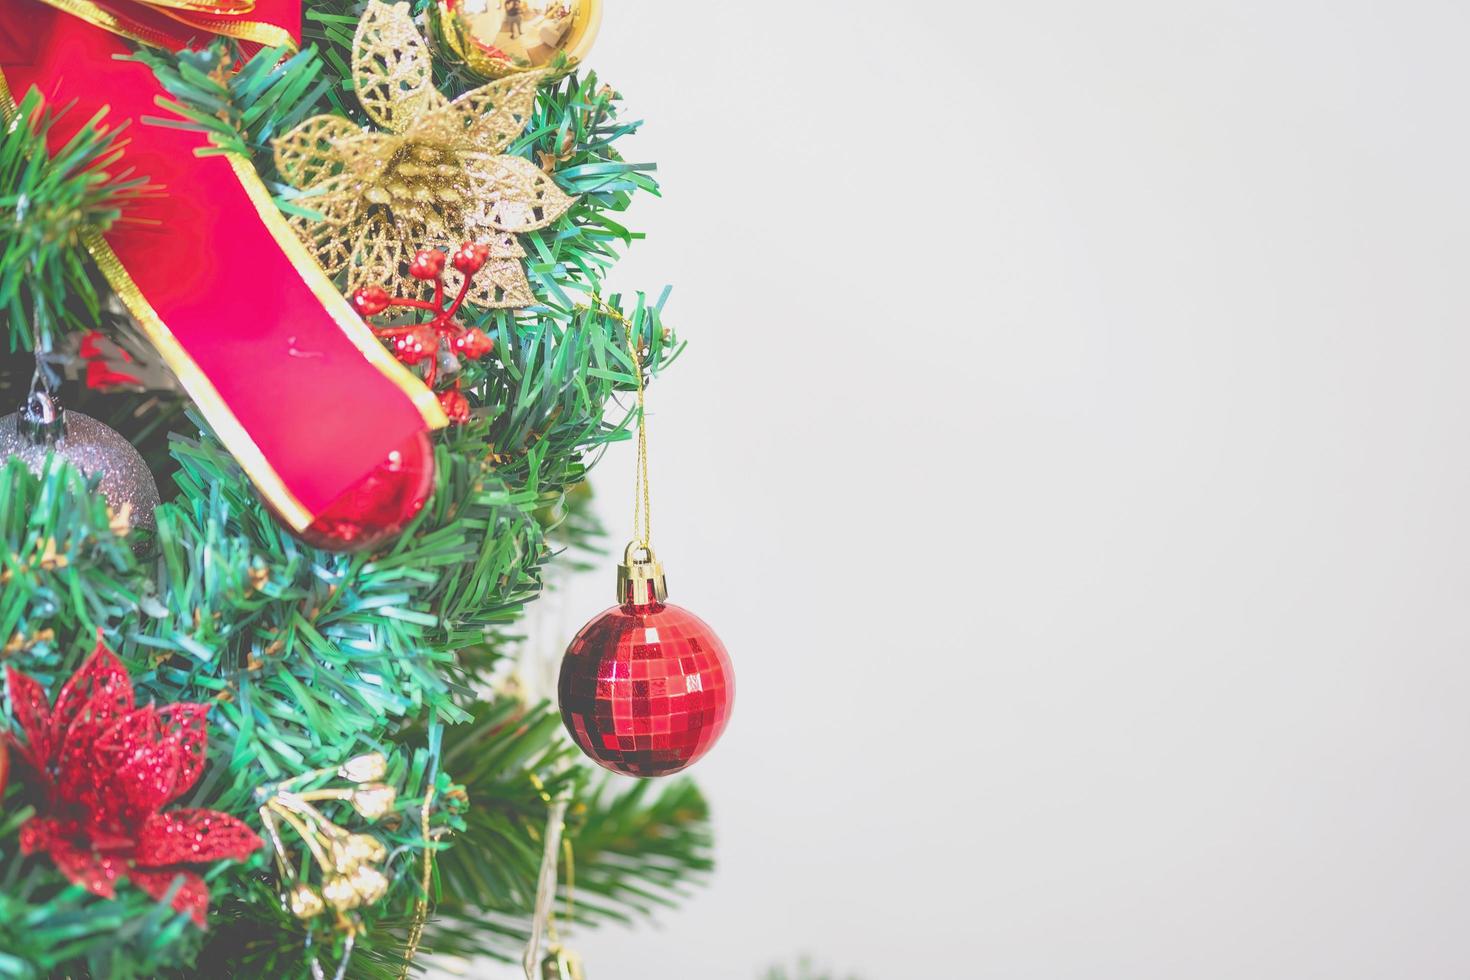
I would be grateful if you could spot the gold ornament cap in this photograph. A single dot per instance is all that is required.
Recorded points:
(641, 579)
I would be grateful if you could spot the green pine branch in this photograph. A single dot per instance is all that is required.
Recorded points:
(47, 201)
(636, 845)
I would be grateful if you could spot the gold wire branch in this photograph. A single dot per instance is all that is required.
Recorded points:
(351, 876)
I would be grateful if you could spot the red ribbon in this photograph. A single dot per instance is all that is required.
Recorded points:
(285, 372)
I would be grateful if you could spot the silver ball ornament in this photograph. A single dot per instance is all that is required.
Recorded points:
(42, 427)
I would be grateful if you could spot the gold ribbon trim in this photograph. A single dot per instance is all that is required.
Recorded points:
(204, 15)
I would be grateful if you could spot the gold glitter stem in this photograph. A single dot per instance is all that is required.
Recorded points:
(421, 909)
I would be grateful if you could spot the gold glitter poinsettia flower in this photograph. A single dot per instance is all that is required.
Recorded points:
(435, 173)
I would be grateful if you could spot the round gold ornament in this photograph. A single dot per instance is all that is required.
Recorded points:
(496, 38)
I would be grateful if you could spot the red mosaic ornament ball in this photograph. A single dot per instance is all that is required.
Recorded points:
(377, 509)
(646, 687)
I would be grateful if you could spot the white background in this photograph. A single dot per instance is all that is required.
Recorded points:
(1072, 451)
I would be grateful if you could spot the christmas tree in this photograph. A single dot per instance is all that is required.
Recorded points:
(258, 717)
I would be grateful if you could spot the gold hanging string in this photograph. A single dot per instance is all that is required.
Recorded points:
(421, 909)
(642, 502)
(640, 479)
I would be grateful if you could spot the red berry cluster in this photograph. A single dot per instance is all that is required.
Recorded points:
(417, 343)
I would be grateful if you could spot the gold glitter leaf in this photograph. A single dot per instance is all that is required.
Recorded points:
(513, 194)
(502, 283)
(487, 119)
(498, 112)
(310, 152)
(337, 203)
(378, 252)
(391, 67)
(502, 245)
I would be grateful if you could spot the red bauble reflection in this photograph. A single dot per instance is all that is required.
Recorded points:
(646, 690)
(377, 509)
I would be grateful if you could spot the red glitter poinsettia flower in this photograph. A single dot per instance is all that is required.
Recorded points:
(108, 768)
